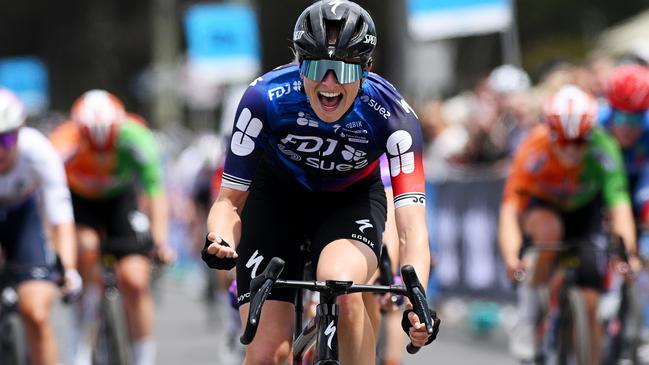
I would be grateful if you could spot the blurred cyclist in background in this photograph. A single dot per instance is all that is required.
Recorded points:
(34, 200)
(628, 121)
(562, 176)
(106, 154)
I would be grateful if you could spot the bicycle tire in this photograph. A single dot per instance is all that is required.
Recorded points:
(113, 345)
(624, 346)
(574, 333)
(13, 347)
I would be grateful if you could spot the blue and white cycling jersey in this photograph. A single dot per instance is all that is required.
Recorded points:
(275, 119)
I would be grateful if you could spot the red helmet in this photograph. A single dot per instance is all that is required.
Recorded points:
(570, 113)
(628, 88)
(98, 114)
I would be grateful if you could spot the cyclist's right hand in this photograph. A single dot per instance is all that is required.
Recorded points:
(217, 253)
(515, 270)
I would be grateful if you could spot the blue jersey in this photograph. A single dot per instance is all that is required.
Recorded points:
(274, 120)
(636, 159)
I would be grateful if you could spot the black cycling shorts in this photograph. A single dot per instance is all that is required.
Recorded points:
(24, 243)
(279, 216)
(584, 224)
(123, 228)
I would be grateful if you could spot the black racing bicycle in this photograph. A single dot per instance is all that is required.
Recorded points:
(112, 341)
(623, 330)
(564, 338)
(321, 330)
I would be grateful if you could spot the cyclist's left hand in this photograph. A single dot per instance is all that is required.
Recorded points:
(635, 264)
(164, 253)
(72, 285)
(417, 333)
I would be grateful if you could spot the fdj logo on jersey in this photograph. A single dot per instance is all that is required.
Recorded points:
(295, 147)
(279, 91)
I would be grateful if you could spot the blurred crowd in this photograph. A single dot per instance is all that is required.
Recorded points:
(476, 131)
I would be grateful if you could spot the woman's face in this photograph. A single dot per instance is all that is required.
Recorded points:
(329, 98)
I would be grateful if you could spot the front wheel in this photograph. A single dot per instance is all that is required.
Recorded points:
(574, 330)
(112, 347)
(13, 346)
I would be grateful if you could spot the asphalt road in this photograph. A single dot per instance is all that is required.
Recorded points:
(187, 332)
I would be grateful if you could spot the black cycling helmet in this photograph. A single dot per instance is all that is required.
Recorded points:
(335, 29)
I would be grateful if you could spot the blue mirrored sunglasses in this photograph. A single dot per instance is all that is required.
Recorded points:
(633, 119)
(346, 73)
(8, 140)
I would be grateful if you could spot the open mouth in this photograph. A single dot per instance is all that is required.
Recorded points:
(330, 100)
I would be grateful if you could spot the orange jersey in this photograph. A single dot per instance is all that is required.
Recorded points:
(95, 174)
(537, 173)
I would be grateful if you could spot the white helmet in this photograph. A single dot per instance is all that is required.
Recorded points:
(98, 113)
(507, 79)
(12, 111)
(570, 114)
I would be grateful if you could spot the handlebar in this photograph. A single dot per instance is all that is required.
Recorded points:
(260, 287)
(417, 297)
(262, 284)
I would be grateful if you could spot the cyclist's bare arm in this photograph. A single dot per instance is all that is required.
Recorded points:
(65, 243)
(413, 239)
(414, 250)
(622, 224)
(224, 221)
(159, 217)
(509, 235)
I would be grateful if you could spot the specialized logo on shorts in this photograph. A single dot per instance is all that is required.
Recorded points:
(397, 147)
(254, 261)
(364, 224)
(247, 129)
(330, 331)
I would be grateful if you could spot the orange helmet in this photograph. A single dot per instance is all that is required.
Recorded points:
(98, 114)
(570, 114)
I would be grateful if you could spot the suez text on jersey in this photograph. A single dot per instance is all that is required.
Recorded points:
(376, 106)
(355, 159)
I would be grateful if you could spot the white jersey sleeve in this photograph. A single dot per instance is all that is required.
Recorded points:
(47, 168)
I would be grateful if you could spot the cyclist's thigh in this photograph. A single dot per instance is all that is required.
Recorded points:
(349, 234)
(346, 259)
(271, 226)
(134, 271)
(35, 298)
(275, 325)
